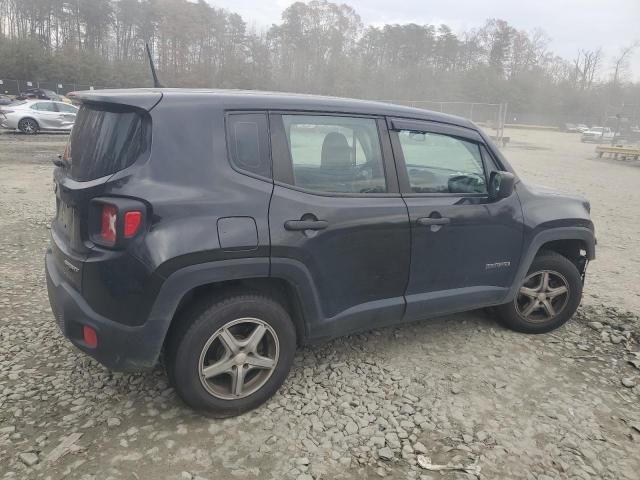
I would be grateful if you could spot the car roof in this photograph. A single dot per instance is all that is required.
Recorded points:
(147, 98)
(32, 101)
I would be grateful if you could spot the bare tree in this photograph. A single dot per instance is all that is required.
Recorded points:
(621, 63)
(318, 46)
(587, 64)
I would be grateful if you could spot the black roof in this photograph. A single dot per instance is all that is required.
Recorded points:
(147, 98)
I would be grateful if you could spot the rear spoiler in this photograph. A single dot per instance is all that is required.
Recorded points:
(144, 98)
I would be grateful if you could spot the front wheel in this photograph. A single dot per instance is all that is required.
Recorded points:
(28, 126)
(231, 355)
(547, 297)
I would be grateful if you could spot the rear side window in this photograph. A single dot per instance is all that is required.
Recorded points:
(335, 153)
(44, 107)
(248, 143)
(62, 107)
(106, 139)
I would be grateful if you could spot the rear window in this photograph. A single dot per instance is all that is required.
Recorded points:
(107, 139)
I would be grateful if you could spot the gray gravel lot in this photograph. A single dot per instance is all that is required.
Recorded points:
(457, 391)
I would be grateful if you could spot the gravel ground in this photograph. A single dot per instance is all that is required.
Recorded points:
(458, 392)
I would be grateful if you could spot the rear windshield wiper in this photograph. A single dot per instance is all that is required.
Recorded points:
(58, 162)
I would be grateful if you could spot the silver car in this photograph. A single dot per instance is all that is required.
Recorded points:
(32, 116)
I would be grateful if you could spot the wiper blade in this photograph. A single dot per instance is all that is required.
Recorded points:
(58, 162)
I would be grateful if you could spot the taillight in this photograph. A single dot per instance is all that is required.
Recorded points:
(108, 231)
(132, 221)
(66, 155)
(113, 221)
(90, 336)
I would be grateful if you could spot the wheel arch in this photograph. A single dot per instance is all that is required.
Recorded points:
(201, 282)
(28, 117)
(278, 289)
(574, 249)
(575, 243)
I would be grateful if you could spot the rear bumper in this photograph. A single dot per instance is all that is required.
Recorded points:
(120, 347)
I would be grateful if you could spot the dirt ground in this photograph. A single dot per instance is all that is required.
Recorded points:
(458, 391)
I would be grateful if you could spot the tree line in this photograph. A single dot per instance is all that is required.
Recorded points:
(317, 47)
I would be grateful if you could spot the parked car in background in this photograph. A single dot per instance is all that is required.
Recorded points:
(41, 94)
(5, 100)
(597, 134)
(574, 128)
(32, 116)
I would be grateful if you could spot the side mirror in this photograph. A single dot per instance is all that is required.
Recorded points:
(501, 185)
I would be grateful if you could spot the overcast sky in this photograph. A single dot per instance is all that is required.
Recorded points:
(571, 24)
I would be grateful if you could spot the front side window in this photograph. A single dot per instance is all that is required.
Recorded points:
(439, 163)
(44, 107)
(335, 154)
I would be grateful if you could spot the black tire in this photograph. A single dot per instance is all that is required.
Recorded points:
(200, 324)
(28, 126)
(560, 270)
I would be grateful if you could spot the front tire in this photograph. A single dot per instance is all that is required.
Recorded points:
(230, 356)
(547, 298)
(28, 126)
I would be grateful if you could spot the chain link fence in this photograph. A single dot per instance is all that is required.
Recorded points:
(10, 86)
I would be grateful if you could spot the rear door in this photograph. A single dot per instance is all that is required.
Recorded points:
(465, 247)
(67, 115)
(336, 215)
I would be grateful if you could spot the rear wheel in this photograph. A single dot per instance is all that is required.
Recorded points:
(232, 355)
(547, 297)
(28, 126)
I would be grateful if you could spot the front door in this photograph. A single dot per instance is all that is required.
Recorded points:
(337, 220)
(465, 247)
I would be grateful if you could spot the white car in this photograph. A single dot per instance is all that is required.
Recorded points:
(32, 116)
(597, 134)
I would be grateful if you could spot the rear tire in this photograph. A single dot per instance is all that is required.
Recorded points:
(547, 298)
(28, 126)
(216, 361)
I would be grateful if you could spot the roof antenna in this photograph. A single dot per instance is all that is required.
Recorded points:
(156, 82)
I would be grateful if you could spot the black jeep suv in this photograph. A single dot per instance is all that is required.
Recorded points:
(224, 228)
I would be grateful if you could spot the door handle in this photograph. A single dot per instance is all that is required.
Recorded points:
(305, 225)
(429, 221)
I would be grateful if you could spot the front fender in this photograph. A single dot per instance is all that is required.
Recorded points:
(583, 234)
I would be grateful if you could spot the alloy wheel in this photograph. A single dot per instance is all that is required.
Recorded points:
(28, 126)
(238, 358)
(542, 296)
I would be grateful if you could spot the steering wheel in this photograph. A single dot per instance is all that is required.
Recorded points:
(470, 183)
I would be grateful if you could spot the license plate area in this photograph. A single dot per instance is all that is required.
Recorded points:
(64, 236)
(65, 219)
(69, 265)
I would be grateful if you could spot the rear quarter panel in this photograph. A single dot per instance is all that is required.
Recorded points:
(189, 186)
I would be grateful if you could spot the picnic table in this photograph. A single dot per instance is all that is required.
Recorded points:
(618, 151)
